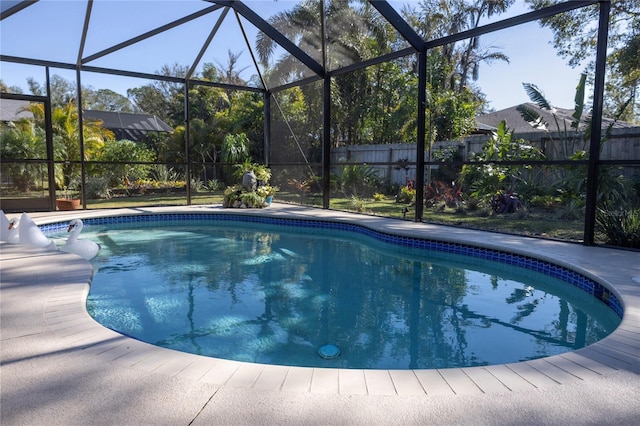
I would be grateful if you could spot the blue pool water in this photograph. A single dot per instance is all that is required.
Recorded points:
(259, 292)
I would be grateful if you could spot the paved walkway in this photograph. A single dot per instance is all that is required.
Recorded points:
(58, 366)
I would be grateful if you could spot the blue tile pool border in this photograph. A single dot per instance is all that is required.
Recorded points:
(547, 268)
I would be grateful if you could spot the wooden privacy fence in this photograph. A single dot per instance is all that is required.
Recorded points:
(393, 161)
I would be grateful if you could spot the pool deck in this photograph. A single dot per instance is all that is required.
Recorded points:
(60, 367)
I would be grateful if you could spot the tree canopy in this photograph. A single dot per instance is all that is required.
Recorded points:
(575, 38)
(376, 104)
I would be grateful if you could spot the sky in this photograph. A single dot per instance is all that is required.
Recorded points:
(59, 22)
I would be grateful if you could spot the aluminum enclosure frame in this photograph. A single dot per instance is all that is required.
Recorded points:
(419, 47)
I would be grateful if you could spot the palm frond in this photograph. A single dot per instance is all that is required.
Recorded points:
(265, 48)
(579, 102)
(532, 117)
(502, 129)
(490, 57)
(537, 96)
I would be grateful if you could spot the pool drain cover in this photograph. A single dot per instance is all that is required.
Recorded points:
(329, 351)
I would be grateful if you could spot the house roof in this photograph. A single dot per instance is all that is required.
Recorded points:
(517, 124)
(13, 109)
(482, 128)
(132, 126)
(128, 120)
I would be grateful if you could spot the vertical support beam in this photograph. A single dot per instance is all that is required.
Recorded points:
(422, 112)
(326, 142)
(326, 115)
(187, 138)
(48, 131)
(267, 127)
(83, 169)
(596, 124)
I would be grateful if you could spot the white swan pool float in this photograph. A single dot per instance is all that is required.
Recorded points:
(29, 233)
(9, 229)
(83, 248)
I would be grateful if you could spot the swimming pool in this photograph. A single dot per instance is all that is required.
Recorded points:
(260, 327)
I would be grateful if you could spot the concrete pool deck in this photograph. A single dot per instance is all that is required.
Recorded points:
(58, 366)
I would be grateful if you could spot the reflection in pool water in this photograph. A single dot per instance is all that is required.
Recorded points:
(275, 294)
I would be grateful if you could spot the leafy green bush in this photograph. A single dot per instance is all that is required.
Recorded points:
(262, 172)
(97, 187)
(17, 141)
(237, 197)
(115, 151)
(163, 173)
(439, 192)
(213, 185)
(357, 204)
(485, 180)
(356, 179)
(406, 195)
(570, 209)
(621, 227)
(252, 199)
(197, 185)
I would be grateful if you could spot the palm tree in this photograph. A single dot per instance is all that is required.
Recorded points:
(303, 24)
(445, 17)
(19, 140)
(355, 32)
(471, 56)
(66, 138)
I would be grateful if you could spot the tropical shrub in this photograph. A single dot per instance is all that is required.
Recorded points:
(571, 182)
(262, 172)
(163, 173)
(235, 150)
(119, 172)
(573, 139)
(449, 170)
(97, 187)
(267, 190)
(19, 140)
(406, 195)
(213, 185)
(301, 187)
(197, 185)
(358, 204)
(252, 199)
(237, 197)
(620, 226)
(486, 180)
(439, 192)
(356, 179)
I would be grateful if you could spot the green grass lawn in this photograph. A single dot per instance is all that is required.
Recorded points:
(531, 222)
(154, 201)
